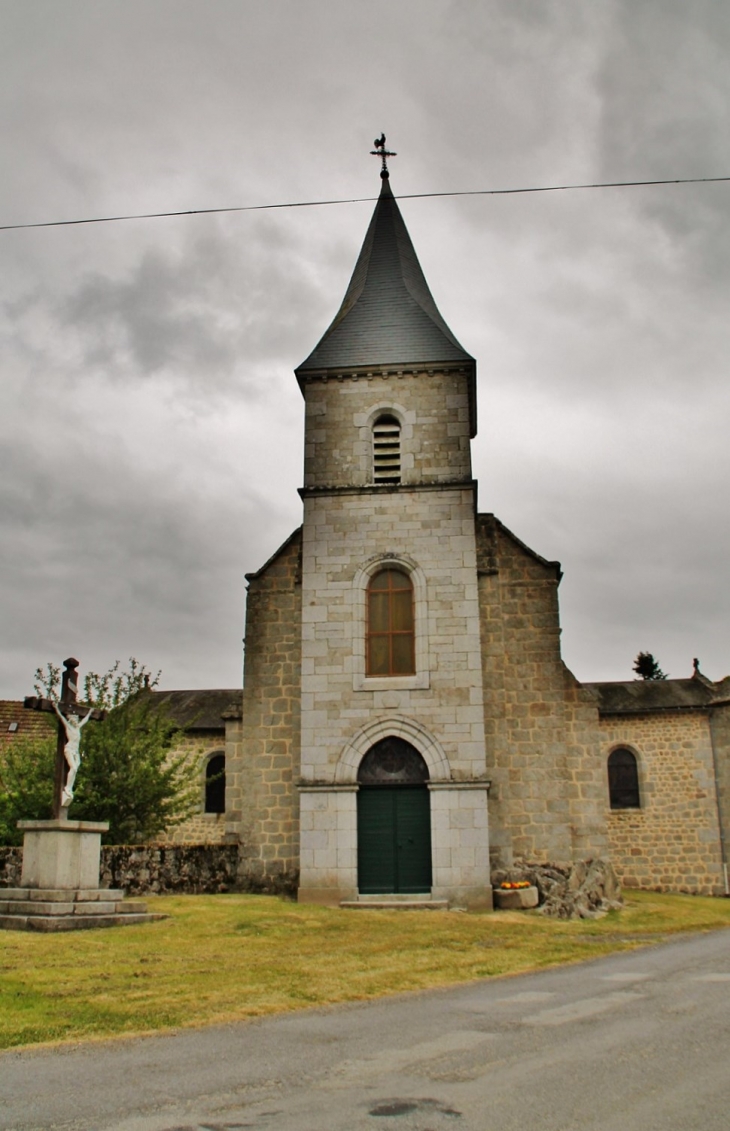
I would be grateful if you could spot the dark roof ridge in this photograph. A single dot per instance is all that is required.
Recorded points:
(634, 696)
(199, 709)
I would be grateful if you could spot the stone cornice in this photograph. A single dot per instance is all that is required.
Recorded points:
(388, 488)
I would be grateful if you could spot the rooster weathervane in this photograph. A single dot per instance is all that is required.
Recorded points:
(383, 153)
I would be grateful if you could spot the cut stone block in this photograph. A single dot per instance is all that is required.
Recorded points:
(515, 899)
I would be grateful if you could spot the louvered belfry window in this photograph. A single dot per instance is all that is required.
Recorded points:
(390, 635)
(386, 450)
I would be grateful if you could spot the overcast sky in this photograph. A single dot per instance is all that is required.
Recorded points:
(150, 422)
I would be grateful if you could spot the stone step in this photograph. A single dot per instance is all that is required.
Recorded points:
(74, 922)
(69, 907)
(382, 903)
(36, 907)
(62, 895)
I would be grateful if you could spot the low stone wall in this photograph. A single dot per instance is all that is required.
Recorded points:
(157, 869)
(11, 862)
(160, 869)
(587, 889)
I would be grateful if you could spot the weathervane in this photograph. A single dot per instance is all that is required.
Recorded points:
(383, 153)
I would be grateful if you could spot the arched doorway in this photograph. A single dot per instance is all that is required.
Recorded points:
(393, 820)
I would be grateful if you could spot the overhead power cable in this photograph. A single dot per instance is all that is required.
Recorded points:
(359, 200)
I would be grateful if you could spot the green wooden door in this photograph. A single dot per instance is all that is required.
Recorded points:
(393, 839)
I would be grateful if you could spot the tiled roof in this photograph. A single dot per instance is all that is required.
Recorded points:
(388, 315)
(199, 710)
(31, 724)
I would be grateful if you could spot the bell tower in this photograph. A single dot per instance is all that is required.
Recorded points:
(390, 644)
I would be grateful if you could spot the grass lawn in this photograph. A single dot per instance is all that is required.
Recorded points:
(223, 958)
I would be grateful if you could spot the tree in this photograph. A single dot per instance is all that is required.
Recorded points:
(26, 783)
(646, 667)
(129, 775)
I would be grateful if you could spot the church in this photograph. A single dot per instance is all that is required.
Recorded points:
(408, 727)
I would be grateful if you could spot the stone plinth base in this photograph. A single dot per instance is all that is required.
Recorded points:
(60, 882)
(61, 854)
(515, 899)
(60, 909)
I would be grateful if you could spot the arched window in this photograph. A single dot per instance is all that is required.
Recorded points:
(215, 783)
(386, 450)
(623, 779)
(390, 634)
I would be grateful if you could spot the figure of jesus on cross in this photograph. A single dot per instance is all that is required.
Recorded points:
(68, 746)
(71, 751)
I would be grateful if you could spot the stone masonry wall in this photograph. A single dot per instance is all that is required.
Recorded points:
(433, 408)
(546, 800)
(201, 827)
(672, 842)
(720, 731)
(263, 762)
(434, 531)
(430, 532)
(586, 774)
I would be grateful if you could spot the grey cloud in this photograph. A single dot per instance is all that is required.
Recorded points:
(191, 314)
(151, 423)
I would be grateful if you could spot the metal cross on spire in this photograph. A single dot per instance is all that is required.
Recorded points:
(383, 153)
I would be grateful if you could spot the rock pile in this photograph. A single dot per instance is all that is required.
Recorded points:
(587, 889)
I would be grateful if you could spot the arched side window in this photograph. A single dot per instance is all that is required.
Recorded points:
(623, 779)
(386, 450)
(390, 637)
(215, 783)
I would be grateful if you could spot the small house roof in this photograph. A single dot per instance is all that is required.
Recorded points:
(17, 721)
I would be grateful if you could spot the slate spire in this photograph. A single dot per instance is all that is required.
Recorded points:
(388, 316)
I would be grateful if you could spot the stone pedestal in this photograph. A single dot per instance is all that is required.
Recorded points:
(60, 882)
(61, 854)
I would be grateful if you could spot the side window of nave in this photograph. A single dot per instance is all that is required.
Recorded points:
(215, 783)
(623, 779)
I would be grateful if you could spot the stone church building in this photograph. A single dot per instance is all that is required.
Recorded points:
(407, 723)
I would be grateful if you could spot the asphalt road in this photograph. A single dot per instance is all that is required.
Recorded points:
(634, 1042)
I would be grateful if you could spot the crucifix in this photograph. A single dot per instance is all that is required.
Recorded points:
(71, 719)
(383, 153)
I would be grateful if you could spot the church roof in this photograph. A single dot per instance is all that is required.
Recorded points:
(641, 695)
(388, 315)
(199, 710)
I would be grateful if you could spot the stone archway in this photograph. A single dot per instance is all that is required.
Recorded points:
(392, 726)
